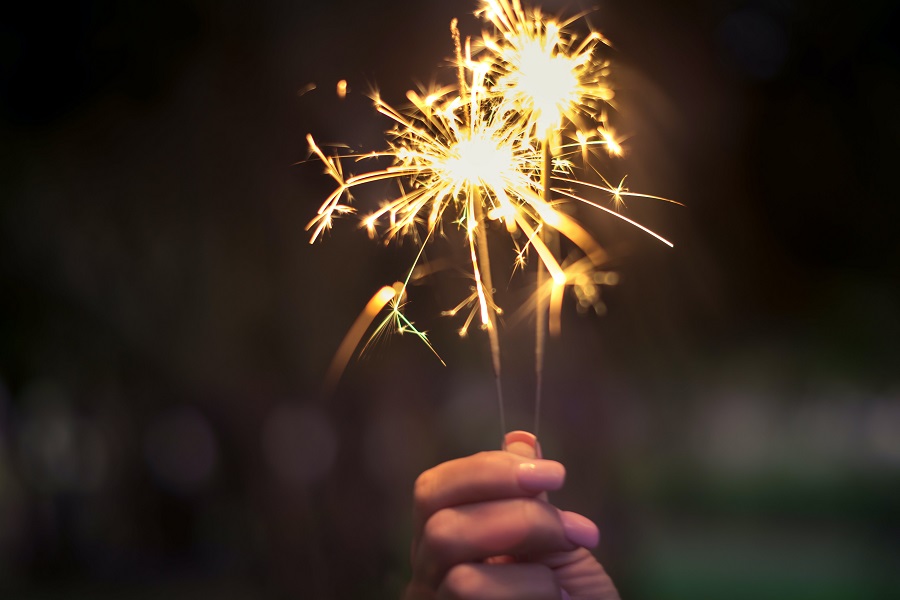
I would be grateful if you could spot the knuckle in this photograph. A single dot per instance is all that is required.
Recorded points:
(462, 582)
(441, 530)
(487, 455)
(423, 489)
(542, 527)
(496, 458)
(497, 466)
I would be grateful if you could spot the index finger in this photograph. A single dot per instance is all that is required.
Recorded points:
(482, 477)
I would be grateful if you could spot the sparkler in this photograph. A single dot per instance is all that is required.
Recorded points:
(545, 75)
(490, 149)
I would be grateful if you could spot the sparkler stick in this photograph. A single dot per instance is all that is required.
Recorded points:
(541, 310)
(479, 226)
(488, 315)
(543, 73)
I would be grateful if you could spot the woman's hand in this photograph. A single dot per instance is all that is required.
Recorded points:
(484, 530)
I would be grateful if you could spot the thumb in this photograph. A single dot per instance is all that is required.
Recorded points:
(522, 443)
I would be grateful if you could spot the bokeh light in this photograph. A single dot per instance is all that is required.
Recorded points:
(299, 443)
(181, 449)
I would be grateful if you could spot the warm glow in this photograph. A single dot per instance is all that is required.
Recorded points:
(500, 145)
(478, 161)
(546, 83)
(543, 71)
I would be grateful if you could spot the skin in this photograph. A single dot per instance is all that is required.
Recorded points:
(484, 530)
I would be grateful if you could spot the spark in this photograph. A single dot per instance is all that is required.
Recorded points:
(489, 150)
(351, 340)
(455, 154)
(306, 88)
(542, 69)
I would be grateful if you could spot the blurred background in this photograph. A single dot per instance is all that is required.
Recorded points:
(732, 422)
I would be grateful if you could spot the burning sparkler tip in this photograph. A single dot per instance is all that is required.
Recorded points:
(492, 148)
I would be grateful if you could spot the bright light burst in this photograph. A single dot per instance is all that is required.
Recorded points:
(481, 151)
(451, 153)
(541, 70)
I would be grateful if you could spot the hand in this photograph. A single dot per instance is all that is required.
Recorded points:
(484, 530)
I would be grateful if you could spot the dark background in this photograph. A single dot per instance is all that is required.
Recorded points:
(732, 423)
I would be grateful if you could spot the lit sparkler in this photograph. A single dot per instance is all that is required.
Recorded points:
(487, 150)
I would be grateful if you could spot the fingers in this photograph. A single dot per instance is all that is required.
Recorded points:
(483, 529)
(482, 477)
(499, 582)
(520, 527)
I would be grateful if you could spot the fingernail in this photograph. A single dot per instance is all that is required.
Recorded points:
(522, 443)
(541, 475)
(580, 530)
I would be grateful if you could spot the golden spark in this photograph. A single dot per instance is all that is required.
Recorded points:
(488, 149)
(541, 70)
